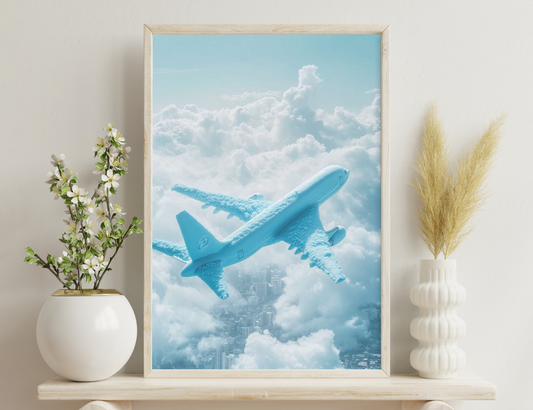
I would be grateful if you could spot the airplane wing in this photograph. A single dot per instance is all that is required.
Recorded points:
(307, 234)
(177, 251)
(213, 275)
(244, 209)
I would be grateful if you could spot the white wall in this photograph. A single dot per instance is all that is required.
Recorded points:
(67, 67)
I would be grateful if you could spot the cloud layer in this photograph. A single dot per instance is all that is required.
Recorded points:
(316, 351)
(270, 143)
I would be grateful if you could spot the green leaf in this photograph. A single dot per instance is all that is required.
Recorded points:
(69, 284)
(121, 221)
(64, 190)
(29, 259)
(30, 251)
(88, 278)
(130, 231)
(49, 258)
(106, 223)
(39, 263)
(137, 221)
(100, 165)
(112, 190)
(138, 230)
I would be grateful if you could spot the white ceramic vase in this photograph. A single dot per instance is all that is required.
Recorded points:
(88, 336)
(437, 327)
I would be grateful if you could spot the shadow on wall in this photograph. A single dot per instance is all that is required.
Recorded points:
(132, 66)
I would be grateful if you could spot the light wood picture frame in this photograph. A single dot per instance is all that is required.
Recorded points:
(171, 29)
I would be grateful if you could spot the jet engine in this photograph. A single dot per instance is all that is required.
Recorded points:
(336, 235)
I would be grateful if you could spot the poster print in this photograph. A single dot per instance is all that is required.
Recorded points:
(266, 202)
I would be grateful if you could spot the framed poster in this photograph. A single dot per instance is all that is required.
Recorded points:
(266, 201)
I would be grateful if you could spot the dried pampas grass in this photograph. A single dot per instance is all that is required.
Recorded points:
(449, 201)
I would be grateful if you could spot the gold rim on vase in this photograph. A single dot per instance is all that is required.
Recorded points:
(86, 292)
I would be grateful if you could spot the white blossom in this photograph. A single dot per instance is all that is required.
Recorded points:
(71, 275)
(65, 257)
(89, 228)
(127, 150)
(58, 161)
(101, 260)
(91, 265)
(72, 227)
(101, 145)
(120, 163)
(101, 214)
(56, 191)
(111, 132)
(66, 176)
(117, 209)
(100, 194)
(111, 179)
(52, 176)
(114, 152)
(120, 139)
(90, 205)
(95, 243)
(77, 194)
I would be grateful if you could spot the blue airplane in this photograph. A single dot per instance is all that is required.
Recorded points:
(293, 219)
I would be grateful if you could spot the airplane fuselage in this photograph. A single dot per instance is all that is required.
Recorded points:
(265, 228)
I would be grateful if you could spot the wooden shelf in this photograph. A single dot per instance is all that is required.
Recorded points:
(397, 387)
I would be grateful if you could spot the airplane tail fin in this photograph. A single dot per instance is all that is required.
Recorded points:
(198, 240)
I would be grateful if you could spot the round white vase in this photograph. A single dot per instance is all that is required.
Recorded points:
(86, 335)
(437, 327)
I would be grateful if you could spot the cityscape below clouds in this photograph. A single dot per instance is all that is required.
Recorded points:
(260, 290)
(303, 109)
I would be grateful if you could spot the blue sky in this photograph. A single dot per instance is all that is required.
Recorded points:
(199, 69)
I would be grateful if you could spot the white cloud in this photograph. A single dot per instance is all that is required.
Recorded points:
(312, 301)
(271, 145)
(182, 323)
(373, 91)
(316, 351)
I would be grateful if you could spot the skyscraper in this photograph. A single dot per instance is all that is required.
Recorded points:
(262, 290)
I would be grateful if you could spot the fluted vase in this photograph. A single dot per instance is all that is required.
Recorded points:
(437, 327)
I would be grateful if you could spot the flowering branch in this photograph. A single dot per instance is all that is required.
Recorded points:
(85, 254)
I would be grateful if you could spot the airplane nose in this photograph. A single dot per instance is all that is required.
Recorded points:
(346, 174)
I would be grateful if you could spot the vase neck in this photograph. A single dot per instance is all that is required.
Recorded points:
(438, 270)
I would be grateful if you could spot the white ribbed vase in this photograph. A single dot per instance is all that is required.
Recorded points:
(437, 327)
